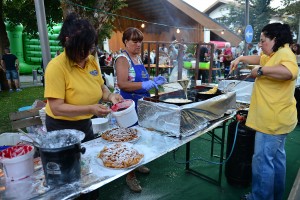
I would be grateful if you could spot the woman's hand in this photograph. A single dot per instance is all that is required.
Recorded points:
(234, 64)
(99, 110)
(115, 98)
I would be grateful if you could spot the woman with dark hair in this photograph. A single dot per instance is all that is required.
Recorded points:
(272, 111)
(73, 81)
(134, 82)
(296, 50)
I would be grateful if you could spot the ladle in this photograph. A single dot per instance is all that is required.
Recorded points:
(34, 141)
(184, 83)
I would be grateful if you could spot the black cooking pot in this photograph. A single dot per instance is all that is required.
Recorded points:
(62, 165)
(62, 160)
(202, 97)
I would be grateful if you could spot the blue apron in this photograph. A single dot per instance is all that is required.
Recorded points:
(141, 75)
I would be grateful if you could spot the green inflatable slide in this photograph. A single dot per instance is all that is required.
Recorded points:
(28, 50)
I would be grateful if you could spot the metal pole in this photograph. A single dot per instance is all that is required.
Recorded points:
(246, 23)
(43, 33)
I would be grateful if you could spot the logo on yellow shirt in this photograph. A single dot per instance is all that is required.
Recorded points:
(94, 72)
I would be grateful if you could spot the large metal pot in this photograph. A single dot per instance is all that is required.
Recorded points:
(62, 165)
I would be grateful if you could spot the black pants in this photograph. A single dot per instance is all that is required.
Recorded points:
(84, 125)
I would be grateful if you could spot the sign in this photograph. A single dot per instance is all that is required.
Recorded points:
(248, 34)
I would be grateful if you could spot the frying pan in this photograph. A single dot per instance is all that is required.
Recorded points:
(174, 95)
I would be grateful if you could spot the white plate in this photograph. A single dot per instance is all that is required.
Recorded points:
(100, 162)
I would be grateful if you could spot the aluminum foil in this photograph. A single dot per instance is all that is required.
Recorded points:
(182, 121)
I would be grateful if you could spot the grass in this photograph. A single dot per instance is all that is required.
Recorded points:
(11, 102)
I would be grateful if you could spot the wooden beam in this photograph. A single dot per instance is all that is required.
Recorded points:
(207, 22)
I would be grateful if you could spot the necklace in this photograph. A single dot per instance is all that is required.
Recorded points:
(135, 60)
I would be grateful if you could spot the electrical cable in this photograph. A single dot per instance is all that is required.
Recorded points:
(208, 161)
(139, 20)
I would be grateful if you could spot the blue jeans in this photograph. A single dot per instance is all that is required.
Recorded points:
(268, 167)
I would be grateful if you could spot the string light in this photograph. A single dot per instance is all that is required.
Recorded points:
(222, 32)
(143, 25)
(85, 8)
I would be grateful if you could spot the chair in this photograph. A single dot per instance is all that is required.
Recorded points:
(23, 119)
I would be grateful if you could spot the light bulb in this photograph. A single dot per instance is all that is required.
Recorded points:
(178, 30)
(222, 32)
(143, 25)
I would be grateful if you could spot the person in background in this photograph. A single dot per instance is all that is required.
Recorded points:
(254, 52)
(217, 57)
(134, 83)
(227, 58)
(10, 65)
(251, 48)
(203, 57)
(296, 50)
(272, 111)
(108, 60)
(57, 53)
(72, 77)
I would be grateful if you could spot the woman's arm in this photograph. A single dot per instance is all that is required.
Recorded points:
(60, 108)
(279, 72)
(122, 67)
(252, 60)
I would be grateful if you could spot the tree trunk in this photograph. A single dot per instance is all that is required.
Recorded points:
(4, 42)
(298, 37)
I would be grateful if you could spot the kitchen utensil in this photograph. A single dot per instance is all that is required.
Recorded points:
(231, 85)
(184, 83)
(34, 141)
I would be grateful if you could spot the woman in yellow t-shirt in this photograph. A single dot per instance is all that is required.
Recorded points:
(272, 111)
(73, 81)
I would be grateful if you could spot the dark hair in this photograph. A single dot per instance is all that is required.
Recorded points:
(281, 32)
(297, 52)
(133, 34)
(254, 51)
(77, 36)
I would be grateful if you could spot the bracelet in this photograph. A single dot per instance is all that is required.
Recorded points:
(109, 96)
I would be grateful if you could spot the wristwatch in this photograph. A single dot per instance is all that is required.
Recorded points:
(259, 72)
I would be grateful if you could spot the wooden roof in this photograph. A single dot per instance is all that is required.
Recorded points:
(162, 15)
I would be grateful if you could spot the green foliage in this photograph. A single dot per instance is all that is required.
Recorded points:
(10, 102)
(260, 14)
(291, 9)
(27, 15)
(99, 12)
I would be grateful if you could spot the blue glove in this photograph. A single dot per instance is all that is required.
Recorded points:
(159, 80)
(147, 85)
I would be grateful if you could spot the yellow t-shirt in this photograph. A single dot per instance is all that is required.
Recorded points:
(273, 106)
(64, 79)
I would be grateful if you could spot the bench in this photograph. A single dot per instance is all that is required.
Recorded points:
(23, 119)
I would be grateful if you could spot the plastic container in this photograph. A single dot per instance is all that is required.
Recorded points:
(99, 124)
(8, 140)
(202, 65)
(17, 162)
(125, 113)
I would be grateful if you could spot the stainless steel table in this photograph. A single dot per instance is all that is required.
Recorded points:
(152, 144)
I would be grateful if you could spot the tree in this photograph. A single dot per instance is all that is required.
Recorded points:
(259, 15)
(292, 12)
(99, 13)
